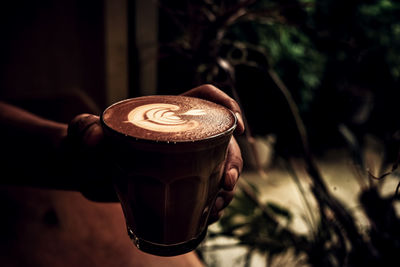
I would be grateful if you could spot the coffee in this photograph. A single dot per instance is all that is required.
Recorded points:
(169, 118)
(169, 153)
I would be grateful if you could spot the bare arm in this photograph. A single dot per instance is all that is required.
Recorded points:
(32, 150)
(20, 124)
(40, 152)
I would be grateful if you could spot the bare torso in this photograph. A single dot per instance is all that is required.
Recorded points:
(62, 228)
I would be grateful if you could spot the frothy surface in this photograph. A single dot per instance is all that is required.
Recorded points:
(168, 118)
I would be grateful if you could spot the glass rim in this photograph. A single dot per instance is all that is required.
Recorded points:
(226, 132)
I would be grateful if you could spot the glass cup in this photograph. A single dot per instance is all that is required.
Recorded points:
(167, 188)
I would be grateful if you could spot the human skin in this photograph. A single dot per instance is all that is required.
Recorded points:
(47, 154)
(87, 127)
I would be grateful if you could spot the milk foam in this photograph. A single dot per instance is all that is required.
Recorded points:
(162, 117)
(168, 118)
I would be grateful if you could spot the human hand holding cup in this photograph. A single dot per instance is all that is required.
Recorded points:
(168, 179)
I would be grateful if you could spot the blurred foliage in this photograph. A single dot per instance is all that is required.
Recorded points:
(288, 50)
(335, 236)
(317, 74)
(339, 59)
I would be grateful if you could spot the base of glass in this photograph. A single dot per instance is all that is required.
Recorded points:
(166, 250)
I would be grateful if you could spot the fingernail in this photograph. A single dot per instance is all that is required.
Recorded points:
(232, 177)
(239, 118)
(219, 203)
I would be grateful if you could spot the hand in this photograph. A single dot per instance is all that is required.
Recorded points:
(234, 162)
(86, 131)
(213, 94)
(85, 137)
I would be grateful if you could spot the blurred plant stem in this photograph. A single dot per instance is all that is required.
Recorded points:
(312, 221)
(324, 198)
(302, 59)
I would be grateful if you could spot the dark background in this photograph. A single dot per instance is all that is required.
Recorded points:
(339, 60)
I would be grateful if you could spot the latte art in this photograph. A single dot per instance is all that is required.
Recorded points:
(172, 147)
(168, 118)
(162, 117)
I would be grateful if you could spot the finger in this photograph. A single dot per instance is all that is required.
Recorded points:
(212, 93)
(79, 124)
(86, 129)
(233, 167)
(93, 135)
(214, 217)
(222, 201)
